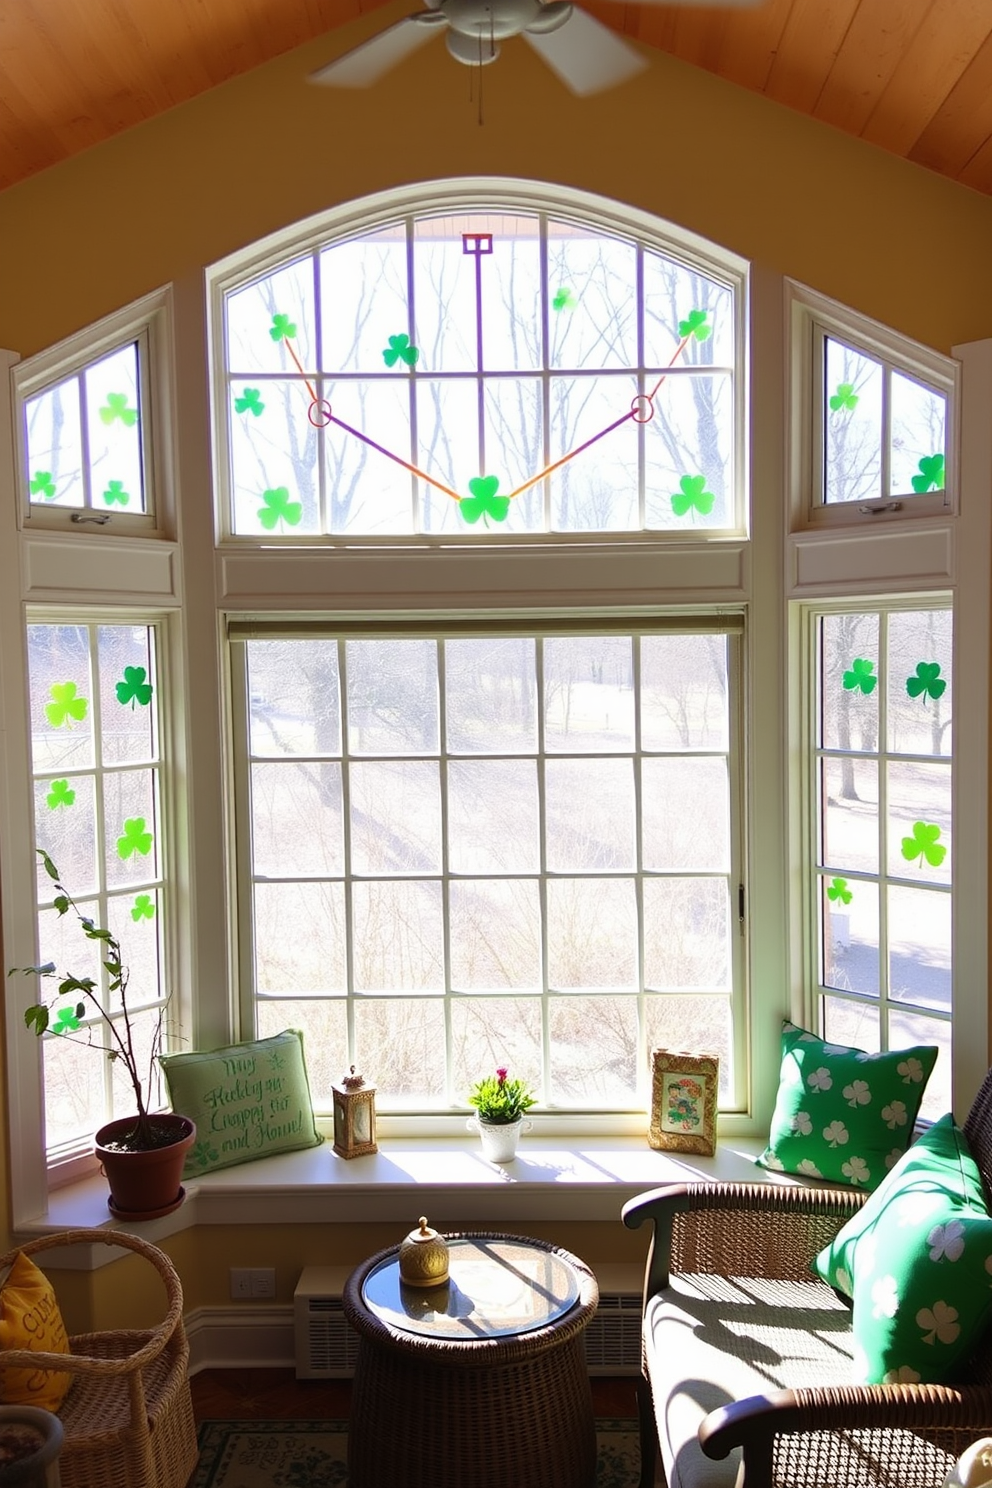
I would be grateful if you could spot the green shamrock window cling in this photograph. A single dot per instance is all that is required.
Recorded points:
(282, 327)
(928, 682)
(844, 398)
(861, 676)
(692, 496)
(60, 795)
(66, 705)
(116, 407)
(135, 839)
(483, 501)
(134, 688)
(400, 349)
(931, 476)
(697, 324)
(143, 908)
(838, 892)
(924, 844)
(42, 484)
(67, 1020)
(250, 401)
(115, 492)
(564, 300)
(279, 508)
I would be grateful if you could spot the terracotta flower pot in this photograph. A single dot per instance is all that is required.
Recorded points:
(145, 1184)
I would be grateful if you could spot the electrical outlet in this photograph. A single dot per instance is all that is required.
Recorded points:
(240, 1282)
(263, 1281)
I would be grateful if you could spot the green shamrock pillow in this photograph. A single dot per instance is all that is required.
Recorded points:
(843, 1114)
(248, 1100)
(917, 1261)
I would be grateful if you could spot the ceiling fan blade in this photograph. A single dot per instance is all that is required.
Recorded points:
(367, 63)
(585, 54)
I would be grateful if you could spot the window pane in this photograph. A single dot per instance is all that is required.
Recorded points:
(588, 694)
(920, 947)
(599, 493)
(852, 425)
(592, 933)
(268, 317)
(300, 939)
(920, 674)
(495, 935)
(493, 816)
(918, 418)
(849, 672)
(53, 430)
(398, 937)
(297, 819)
(113, 432)
(274, 460)
(850, 935)
(590, 815)
(684, 701)
(688, 454)
(686, 809)
(324, 1025)
(399, 1038)
(392, 697)
(489, 1032)
(592, 277)
(694, 1025)
(594, 1051)
(294, 698)
(363, 299)
(686, 934)
(850, 813)
(491, 695)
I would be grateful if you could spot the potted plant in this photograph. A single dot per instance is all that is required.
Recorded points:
(142, 1155)
(500, 1104)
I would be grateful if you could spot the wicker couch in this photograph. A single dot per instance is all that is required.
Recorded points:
(128, 1416)
(747, 1358)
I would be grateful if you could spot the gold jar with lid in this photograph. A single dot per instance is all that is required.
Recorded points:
(424, 1257)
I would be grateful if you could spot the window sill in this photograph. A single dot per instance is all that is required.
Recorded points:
(578, 1180)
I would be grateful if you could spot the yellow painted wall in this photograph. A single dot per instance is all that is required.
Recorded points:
(161, 201)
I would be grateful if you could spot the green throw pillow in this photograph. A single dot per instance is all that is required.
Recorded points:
(917, 1260)
(248, 1100)
(843, 1114)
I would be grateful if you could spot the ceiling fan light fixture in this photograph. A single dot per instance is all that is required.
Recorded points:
(474, 51)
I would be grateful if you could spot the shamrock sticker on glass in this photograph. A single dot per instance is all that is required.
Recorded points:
(282, 328)
(134, 688)
(483, 501)
(279, 508)
(250, 401)
(928, 682)
(67, 1019)
(692, 496)
(400, 349)
(564, 300)
(924, 845)
(66, 707)
(844, 397)
(143, 908)
(115, 492)
(861, 677)
(696, 324)
(838, 892)
(60, 795)
(116, 407)
(931, 476)
(135, 839)
(41, 484)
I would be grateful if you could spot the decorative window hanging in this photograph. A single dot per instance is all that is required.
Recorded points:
(487, 372)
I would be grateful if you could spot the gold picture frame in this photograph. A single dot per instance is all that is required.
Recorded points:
(683, 1102)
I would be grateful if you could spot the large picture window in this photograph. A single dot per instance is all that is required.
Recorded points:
(467, 849)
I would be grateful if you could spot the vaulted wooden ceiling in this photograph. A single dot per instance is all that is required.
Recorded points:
(912, 76)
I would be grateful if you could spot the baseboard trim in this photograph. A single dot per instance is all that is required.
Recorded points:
(240, 1338)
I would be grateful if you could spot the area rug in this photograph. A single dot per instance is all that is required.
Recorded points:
(314, 1454)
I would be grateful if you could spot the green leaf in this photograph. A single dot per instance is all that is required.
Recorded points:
(282, 327)
(60, 795)
(928, 682)
(249, 402)
(36, 1018)
(116, 408)
(41, 484)
(564, 300)
(115, 492)
(279, 508)
(924, 844)
(693, 496)
(400, 350)
(142, 909)
(861, 676)
(844, 397)
(135, 840)
(931, 476)
(838, 891)
(483, 501)
(66, 705)
(698, 325)
(134, 689)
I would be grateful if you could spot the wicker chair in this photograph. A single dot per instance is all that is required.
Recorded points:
(746, 1358)
(128, 1416)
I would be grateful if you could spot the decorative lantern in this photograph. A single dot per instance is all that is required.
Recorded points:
(354, 1116)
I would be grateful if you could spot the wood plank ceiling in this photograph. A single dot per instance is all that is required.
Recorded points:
(912, 76)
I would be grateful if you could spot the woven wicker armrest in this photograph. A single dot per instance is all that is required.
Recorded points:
(737, 1229)
(149, 1343)
(754, 1423)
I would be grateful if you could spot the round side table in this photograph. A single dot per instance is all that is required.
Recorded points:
(478, 1383)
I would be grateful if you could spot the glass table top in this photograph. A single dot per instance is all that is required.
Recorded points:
(494, 1288)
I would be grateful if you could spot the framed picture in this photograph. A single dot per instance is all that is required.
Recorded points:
(683, 1102)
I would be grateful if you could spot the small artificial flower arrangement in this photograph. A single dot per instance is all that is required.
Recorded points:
(500, 1100)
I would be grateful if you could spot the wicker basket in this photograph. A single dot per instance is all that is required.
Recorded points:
(128, 1416)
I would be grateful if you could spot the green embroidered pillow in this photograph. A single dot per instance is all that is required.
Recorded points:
(917, 1261)
(843, 1114)
(248, 1100)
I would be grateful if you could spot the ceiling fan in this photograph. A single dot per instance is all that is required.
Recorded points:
(586, 55)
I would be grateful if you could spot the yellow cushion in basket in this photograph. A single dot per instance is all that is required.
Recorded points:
(30, 1319)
